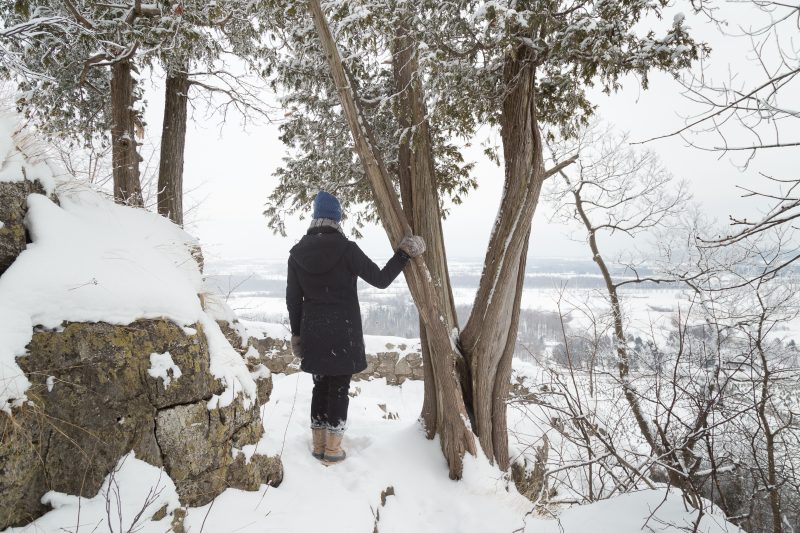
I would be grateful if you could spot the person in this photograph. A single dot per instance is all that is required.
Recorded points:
(325, 316)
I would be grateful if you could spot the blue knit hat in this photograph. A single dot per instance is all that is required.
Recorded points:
(327, 206)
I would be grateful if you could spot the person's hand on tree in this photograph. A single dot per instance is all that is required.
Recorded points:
(296, 351)
(413, 245)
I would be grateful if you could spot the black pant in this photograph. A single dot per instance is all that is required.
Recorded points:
(329, 402)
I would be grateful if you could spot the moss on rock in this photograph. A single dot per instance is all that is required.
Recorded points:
(93, 401)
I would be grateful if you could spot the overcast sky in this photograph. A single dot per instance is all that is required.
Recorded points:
(229, 171)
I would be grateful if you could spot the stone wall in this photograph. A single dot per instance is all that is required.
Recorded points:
(276, 354)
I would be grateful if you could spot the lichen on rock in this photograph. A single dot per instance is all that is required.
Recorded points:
(103, 403)
(13, 195)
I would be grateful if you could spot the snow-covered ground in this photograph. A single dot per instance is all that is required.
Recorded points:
(386, 448)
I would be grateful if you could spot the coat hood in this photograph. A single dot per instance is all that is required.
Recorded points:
(320, 250)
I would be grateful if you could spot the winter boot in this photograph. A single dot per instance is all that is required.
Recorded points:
(318, 437)
(333, 449)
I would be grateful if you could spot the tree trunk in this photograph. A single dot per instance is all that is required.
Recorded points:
(771, 482)
(485, 376)
(467, 375)
(490, 335)
(124, 156)
(173, 141)
(420, 197)
(455, 437)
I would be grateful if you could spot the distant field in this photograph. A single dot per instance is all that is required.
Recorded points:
(255, 290)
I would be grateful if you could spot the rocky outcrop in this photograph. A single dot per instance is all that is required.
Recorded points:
(529, 476)
(197, 448)
(93, 399)
(99, 391)
(276, 354)
(232, 333)
(13, 239)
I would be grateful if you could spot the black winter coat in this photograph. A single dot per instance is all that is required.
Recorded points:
(323, 302)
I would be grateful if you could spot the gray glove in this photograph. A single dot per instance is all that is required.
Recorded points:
(296, 346)
(413, 245)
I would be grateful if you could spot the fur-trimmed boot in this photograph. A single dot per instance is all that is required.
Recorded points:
(319, 437)
(333, 449)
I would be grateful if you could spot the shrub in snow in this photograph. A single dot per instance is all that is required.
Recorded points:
(131, 494)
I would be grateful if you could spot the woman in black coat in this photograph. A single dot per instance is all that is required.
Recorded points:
(325, 317)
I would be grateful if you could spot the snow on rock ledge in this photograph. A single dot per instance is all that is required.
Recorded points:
(93, 399)
(22, 156)
(91, 260)
(23, 171)
(395, 359)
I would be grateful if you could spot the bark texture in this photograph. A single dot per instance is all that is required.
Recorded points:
(421, 205)
(173, 142)
(124, 156)
(489, 336)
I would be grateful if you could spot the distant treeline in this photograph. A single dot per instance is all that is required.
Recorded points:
(238, 283)
(536, 328)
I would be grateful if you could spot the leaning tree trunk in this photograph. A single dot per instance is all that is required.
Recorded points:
(455, 437)
(124, 156)
(421, 205)
(489, 337)
(173, 141)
